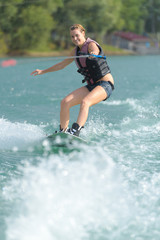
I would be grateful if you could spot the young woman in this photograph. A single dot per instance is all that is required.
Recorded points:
(97, 74)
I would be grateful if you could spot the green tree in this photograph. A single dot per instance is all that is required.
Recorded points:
(152, 23)
(8, 11)
(133, 15)
(3, 46)
(50, 5)
(27, 24)
(97, 16)
(34, 29)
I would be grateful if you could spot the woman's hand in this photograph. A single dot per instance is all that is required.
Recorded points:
(37, 72)
(92, 55)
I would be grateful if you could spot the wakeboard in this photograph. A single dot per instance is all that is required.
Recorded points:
(62, 139)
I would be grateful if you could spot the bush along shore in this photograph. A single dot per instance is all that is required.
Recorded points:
(108, 50)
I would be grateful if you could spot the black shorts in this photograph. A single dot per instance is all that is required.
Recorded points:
(108, 87)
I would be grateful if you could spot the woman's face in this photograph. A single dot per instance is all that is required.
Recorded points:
(78, 37)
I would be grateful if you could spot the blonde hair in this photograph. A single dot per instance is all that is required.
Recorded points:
(77, 26)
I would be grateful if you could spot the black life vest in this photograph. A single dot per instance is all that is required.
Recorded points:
(92, 68)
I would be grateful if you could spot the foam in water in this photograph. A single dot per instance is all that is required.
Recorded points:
(14, 136)
(65, 197)
(107, 191)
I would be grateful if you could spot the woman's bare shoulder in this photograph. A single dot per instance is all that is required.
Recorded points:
(92, 47)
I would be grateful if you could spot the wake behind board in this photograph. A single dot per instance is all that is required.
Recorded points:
(62, 139)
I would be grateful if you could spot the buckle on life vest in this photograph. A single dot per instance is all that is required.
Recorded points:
(85, 73)
(86, 79)
(82, 71)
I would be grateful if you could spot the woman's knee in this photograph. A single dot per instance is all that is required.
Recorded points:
(64, 102)
(85, 103)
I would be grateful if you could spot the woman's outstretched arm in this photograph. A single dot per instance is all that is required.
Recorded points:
(55, 67)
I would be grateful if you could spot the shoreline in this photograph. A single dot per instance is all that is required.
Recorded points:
(60, 53)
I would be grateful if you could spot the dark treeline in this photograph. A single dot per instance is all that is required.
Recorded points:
(44, 24)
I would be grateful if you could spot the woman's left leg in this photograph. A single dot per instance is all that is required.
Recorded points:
(74, 98)
(97, 95)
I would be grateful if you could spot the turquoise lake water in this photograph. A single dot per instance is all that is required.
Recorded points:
(106, 190)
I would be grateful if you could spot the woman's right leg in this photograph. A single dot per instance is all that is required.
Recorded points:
(74, 98)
